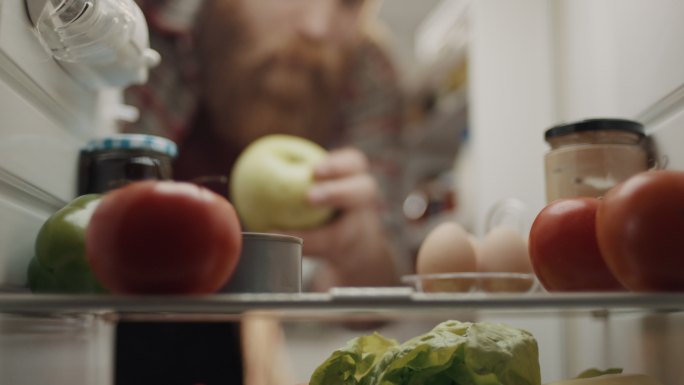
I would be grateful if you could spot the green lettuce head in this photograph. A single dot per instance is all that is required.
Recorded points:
(459, 353)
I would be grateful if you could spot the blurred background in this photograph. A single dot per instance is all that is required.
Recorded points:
(429, 42)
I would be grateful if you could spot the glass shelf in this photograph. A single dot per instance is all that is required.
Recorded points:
(342, 301)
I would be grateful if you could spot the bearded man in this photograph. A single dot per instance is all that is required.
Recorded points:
(310, 68)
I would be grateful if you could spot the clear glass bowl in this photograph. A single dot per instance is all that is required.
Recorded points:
(473, 283)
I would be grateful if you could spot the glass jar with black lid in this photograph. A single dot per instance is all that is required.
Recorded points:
(113, 161)
(589, 157)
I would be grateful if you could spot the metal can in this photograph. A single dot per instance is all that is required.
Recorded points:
(589, 157)
(113, 161)
(269, 263)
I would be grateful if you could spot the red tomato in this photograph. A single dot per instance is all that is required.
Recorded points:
(640, 230)
(563, 249)
(156, 237)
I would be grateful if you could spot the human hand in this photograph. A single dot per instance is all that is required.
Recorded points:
(353, 246)
(343, 181)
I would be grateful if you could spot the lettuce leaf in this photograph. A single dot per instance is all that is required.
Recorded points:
(349, 365)
(594, 372)
(453, 352)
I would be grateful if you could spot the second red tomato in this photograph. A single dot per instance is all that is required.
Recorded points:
(640, 229)
(564, 250)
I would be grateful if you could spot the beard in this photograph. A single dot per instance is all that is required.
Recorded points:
(251, 89)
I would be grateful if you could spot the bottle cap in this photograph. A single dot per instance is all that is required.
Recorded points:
(133, 142)
(595, 125)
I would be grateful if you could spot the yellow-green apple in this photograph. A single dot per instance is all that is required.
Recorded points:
(270, 180)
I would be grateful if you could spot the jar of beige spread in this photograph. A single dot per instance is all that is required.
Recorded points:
(589, 157)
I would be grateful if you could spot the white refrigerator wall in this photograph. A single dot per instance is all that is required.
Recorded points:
(618, 57)
(536, 63)
(46, 117)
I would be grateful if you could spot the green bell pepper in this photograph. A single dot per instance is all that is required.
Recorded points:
(60, 264)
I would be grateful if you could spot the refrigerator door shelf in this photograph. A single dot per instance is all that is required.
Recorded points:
(376, 302)
(101, 43)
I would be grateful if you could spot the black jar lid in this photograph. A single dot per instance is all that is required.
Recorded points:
(133, 142)
(595, 125)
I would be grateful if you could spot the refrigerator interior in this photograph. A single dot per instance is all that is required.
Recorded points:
(533, 63)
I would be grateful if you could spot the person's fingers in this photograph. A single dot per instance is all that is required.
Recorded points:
(317, 242)
(320, 241)
(341, 162)
(316, 245)
(352, 191)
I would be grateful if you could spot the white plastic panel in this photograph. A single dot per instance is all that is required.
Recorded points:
(46, 118)
(38, 165)
(35, 149)
(617, 57)
(511, 102)
(26, 65)
(55, 351)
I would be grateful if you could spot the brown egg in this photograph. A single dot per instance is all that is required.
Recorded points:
(446, 249)
(503, 249)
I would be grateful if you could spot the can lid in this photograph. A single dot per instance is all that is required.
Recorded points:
(271, 237)
(601, 124)
(133, 141)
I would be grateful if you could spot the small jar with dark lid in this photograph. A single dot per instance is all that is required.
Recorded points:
(113, 161)
(589, 157)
